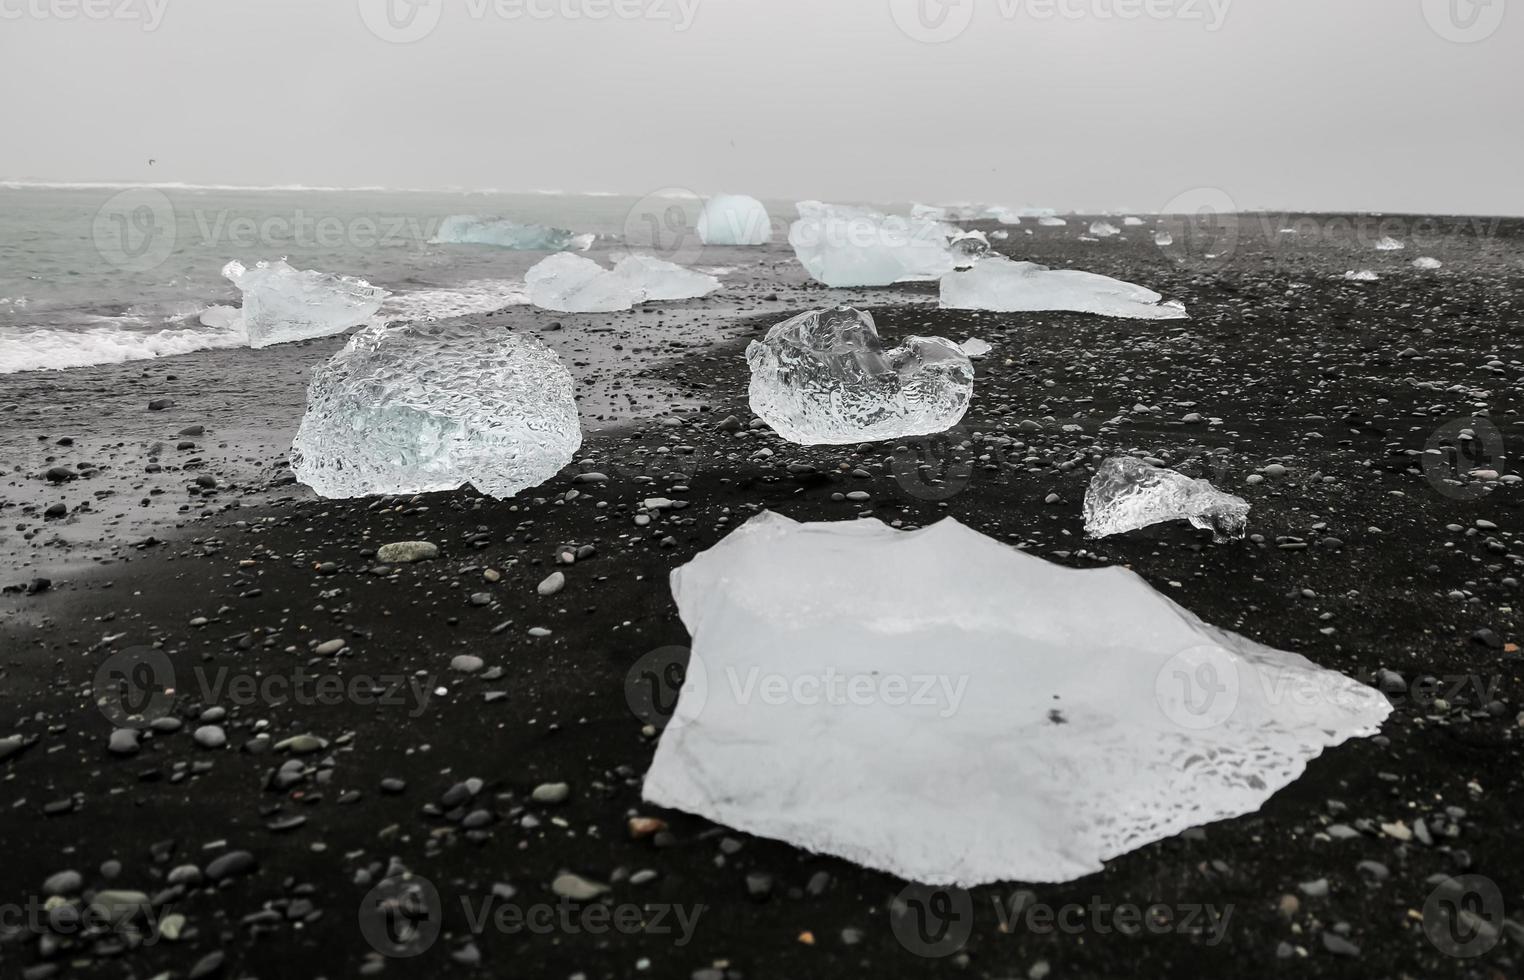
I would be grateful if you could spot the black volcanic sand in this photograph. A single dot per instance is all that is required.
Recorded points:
(1334, 407)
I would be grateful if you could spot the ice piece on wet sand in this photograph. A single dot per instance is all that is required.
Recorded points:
(974, 347)
(1051, 221)
(282, 304)
(1132, 222)
(662, 281)
(1127, 494)
(849, 246)
(734, 219)
(471, 229)
(1364, 275)
(1163, 239)
(222, 317)
(1427, 262)
(824, 377)
(1001, 284)
(958, 712)
(432, 405)
(573, 284)
(968, 248)
(1104, 229)
(1389, 244)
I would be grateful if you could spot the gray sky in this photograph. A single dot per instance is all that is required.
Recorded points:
(1397, 105)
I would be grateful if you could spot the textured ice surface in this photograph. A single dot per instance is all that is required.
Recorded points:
(573, 284)
(824, 377)
(1127, 494)
(734, 219)
(998, 283)
(1051, 221)
(1389, 244)
(968, 248)
(471, 229)
(1163, 239)
(282, 304)
(945, 708)
(1364, 275)
(850, 246)
(1428, 262)
(1104, 229)
(432, 405)
(974, 347)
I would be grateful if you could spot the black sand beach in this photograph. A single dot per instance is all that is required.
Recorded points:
(1334, 407)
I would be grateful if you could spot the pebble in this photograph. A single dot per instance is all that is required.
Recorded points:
(123, 741)
(577, 888)
(63, 883)
(406, 552)
(467, 663)
(551, 793)
(329, 648)
(210, 737)
(230, 865)
(554, 582)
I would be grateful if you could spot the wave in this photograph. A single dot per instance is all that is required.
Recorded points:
(112, 341)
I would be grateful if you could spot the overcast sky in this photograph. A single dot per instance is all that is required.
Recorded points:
(1396, 105)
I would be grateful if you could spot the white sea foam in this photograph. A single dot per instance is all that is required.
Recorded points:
(48, 349)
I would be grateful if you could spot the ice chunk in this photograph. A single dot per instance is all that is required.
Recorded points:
(1389, 244)
(428, 406)
(1127, 494)
(282, 304)
(1163, 239)
(1051, 221)
(974, 347)
(1364, 275)
(849, 246)
(222, 317)
(968, 248)
(471, 229)
(1003, 285)
(734, 219)
(824, 377)
(942, 707)
(662, 281)
(1104, 229)
(573, 284)
(1132, 222)
(1427, 263)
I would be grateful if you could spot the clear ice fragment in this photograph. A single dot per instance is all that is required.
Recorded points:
(282, 304)
(734, 219)
(1003, 285)
(824, 377)
(573, 284)
(1428, 262)
(1104, 229)
(432, 405)
(943, 707)
(1389, 244)
(1127, 494)
(974, 347)
(471, 229)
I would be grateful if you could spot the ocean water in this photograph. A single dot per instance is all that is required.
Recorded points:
(106, 273)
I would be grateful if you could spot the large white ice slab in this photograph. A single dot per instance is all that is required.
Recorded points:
(432, 405)
(282, 304)
(851, 246)
(825, 377)
(1001, 284)
(942, 707)
(734, 219)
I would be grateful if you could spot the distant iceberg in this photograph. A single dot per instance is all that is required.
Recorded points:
(734, 219)
(571, 284)
(282, 304)
(1003, 285)
(470, 229)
